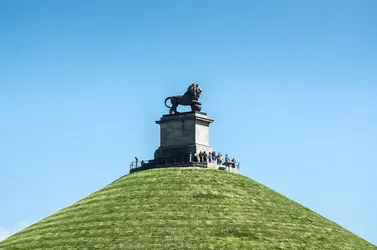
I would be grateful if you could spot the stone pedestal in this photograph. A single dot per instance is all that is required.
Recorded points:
(183, 134)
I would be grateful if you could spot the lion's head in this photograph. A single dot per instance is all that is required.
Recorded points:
(196, 91)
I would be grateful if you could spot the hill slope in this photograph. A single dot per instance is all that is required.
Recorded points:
(185, 208)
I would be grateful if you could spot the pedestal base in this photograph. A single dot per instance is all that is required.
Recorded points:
(183, 134)
(178, 151)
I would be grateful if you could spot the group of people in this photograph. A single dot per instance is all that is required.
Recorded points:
(211, 157)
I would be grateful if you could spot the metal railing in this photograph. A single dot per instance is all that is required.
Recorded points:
(138, 164)
(191, 158)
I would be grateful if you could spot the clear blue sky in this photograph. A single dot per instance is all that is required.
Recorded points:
(291, 85)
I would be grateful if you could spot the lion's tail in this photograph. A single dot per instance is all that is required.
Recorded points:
(166, 99)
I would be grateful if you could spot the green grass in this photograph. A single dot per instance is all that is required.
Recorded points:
(185, 208)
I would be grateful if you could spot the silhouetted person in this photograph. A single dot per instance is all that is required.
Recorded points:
(234, 163)
(226, 158)
(204, 156)
(219, 158)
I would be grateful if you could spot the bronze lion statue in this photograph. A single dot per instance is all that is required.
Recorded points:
(190, 98)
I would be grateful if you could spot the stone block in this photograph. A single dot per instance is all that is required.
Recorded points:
(183, 134)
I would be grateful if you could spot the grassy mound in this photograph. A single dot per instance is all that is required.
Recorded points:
(185, 208)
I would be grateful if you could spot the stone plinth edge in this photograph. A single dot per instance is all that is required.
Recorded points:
(185, 116)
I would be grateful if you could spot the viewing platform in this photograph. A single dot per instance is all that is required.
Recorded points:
(185, 161)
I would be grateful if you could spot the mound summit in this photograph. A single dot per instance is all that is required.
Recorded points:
(185, 208)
